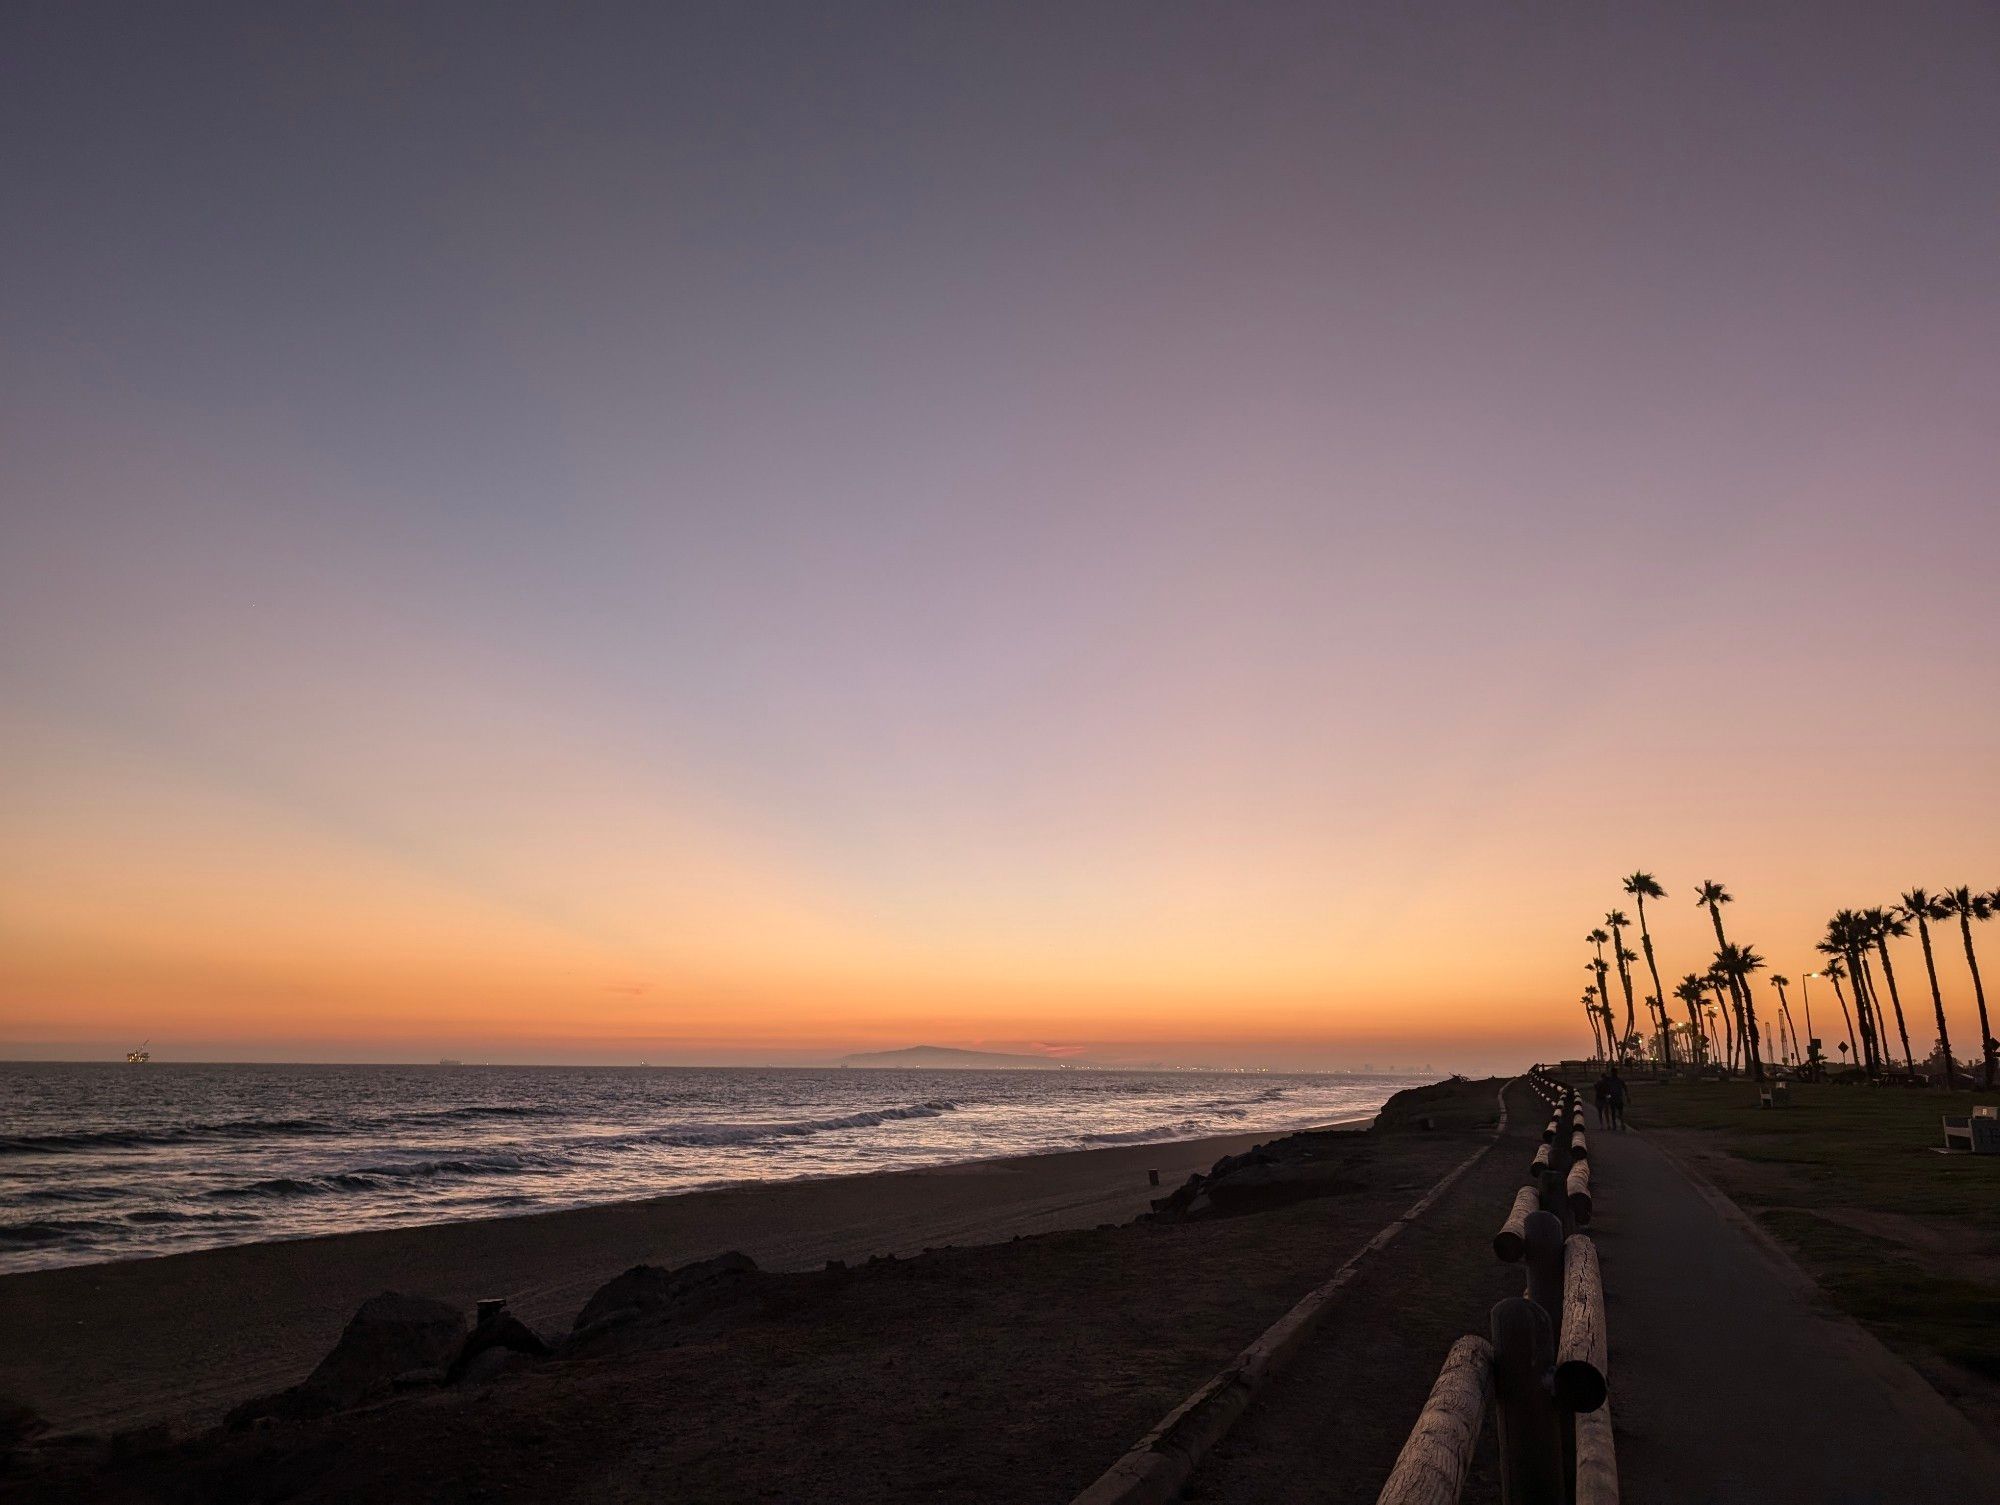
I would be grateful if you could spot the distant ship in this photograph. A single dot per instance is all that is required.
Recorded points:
(140, 1056)
(448, 1061)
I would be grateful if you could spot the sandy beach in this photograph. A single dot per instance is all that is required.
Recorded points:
(180, 1339)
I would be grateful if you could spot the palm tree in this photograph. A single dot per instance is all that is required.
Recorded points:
(1968, 906)
(1833, 972)
(1842, 944)
(1688, 991)
(1923, 907)
(1738, 962)
(1846, 936)
(1711, 896)
(1643, 886)
(1725, 1005)
(1590, 1017)
(1781, 982)
(1597, 938)
(1882, 926)
(1624, 957)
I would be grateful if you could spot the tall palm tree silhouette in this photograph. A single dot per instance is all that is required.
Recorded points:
(1597, 938)
(1590, 1017)
(1833, 971)
(1643, 886)
(1847, 937)
(1781, 982)
(1624, 957)
(1725, 1005)
(1967, 906)
(1737, 963)
(1923, 907)
(1688, 991)
(1711, 896)
(1882, 927)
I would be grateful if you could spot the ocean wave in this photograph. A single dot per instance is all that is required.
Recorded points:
(39, 1231)
(1187, 1128)
(147, 1215)
(471, 1113)
(750, 1133)
(164, 1135)
(139, 1139)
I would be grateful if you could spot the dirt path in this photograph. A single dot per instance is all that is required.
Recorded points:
(1330, 1427)
(1733, 1381)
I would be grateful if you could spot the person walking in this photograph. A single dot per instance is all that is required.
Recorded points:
(1601, 1092)
(1614, 1096)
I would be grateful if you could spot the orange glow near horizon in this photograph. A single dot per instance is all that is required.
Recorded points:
(147, 907)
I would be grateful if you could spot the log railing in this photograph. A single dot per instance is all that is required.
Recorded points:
(1544, 1368)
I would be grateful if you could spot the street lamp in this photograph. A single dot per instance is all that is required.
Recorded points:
(1805, 995)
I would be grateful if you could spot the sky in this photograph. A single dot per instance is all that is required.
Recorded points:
(743, 532)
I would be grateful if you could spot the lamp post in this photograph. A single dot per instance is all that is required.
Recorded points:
(1805, 996)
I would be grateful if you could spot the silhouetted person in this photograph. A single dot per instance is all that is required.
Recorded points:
(1615, 1092)
(1601, 1093)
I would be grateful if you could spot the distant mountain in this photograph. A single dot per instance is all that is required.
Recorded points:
(934, 1057)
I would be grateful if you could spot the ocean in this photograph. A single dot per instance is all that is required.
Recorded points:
(109, 1161)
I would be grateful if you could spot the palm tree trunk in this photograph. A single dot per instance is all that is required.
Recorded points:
(1844, 1014)
(1624, 981)
(1754, 1034)
(1697, 1042)
(1659, 993)
(1937, 999)
(1979, 992)
(1864, 987)
(1895, 998)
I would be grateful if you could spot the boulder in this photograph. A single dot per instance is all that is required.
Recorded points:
(1273, 1185)
(499, 1331)
(674, 1295)
(489, 1364)
(391, 1335)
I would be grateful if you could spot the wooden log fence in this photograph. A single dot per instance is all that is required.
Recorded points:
(1431, 1468)
(1543, 1364)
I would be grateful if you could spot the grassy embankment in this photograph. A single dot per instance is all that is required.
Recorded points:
(1906, 1240)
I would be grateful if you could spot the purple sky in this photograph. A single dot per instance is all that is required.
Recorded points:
(1053, 506)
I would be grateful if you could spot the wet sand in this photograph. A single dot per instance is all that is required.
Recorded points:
(180, 1339)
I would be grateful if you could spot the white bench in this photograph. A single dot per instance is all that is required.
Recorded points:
(1978, 1135)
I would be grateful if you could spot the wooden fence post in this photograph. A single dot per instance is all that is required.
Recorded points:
(1543, 1250)
(1531, 1461)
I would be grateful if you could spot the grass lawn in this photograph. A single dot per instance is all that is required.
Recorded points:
(1906, 1240)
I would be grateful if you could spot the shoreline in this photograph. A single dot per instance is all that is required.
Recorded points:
(178, 1338)
(1358, 1120)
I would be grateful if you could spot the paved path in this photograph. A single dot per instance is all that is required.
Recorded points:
(1732, 1381)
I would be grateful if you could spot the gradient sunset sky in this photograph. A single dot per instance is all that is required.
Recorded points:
(1215, 533)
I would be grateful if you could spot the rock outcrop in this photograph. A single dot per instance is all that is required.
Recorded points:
(390, 1337)
(649, 1293)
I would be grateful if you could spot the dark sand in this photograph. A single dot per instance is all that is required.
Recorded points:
(182, 1338)
(1006, 1372)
